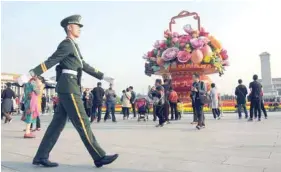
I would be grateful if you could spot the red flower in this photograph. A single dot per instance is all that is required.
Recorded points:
(150, 53)
(223, 54)
(203, 32)
(163, 45)
(167, 34)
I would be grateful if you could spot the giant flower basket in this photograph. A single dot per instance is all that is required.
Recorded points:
(178, 56)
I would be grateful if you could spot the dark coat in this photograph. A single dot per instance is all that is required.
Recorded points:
(98, 94)
(241, 93)
(88, 100)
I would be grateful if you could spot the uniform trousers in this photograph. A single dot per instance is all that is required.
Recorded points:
(70, 106)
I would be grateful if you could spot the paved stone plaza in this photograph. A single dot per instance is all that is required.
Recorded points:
(228, 145)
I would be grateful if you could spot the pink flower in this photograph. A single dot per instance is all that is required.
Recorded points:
(163, 44)
(175, 40)
(167, 34)
(188, 29)
(197, 43)
(150, 53)
(225, 63)
(184, 39)
(175, 34)
(153, 59)
(223, 54)
(203, 32)
(157, 44)
(204, 39)
(170, 54)
(183, 56)
(145, 56)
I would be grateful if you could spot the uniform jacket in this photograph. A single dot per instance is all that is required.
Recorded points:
(68, 56)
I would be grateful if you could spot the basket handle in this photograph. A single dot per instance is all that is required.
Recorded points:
(185, 14)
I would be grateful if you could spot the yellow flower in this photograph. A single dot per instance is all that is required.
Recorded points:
(187, 49)
(218, 50)
(207, 59)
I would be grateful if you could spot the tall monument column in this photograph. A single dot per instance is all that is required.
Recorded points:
(266, 74)
(265, 69)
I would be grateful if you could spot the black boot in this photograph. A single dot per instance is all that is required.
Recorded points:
(106, 160)
(45, 163)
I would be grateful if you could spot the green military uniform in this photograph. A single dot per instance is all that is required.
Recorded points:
(70, 104)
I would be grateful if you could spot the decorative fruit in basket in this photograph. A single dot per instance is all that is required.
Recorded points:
(216, 44)
(196, 56)
(183, 56)
(207, 51)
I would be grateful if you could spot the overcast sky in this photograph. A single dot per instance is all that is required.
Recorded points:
(116, 35)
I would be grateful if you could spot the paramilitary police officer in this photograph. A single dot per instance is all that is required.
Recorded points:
(69, 73)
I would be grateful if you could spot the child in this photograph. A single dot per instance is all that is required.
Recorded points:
(180, 109)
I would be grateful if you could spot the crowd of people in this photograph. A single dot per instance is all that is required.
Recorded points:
(166, 104)
(96, 98)
(255, 97)
(165, 98)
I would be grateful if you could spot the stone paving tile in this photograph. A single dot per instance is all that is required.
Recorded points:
(228, 145)
(253, 162)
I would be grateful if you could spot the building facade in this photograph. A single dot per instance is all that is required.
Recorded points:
(277, 85)
(12, 78)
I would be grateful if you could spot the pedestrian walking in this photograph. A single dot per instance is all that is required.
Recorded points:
(69, 72)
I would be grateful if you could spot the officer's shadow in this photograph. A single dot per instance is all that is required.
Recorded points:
(15, 166)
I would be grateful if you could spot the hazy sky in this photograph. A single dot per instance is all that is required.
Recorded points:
(116, 35)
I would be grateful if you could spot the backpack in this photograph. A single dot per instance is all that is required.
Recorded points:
(173, 97)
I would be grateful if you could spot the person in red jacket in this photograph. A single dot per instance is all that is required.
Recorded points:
(173, 100)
